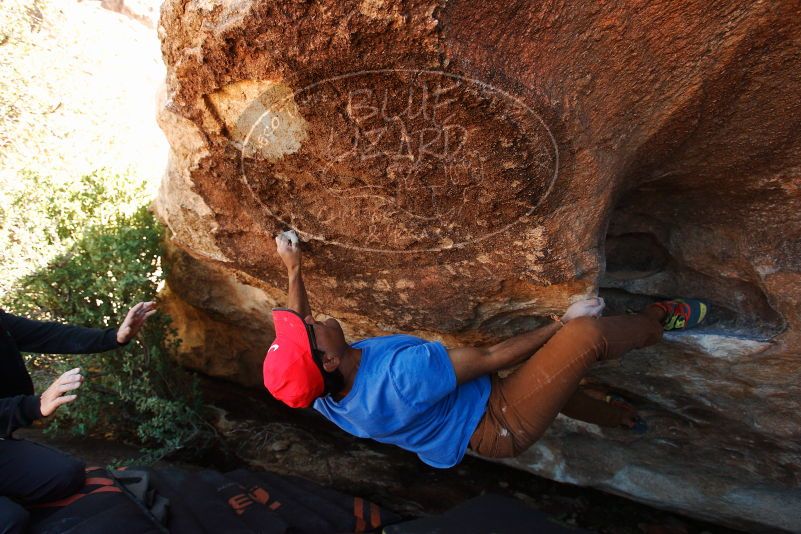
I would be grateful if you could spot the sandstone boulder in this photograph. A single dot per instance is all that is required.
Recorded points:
(459, 170)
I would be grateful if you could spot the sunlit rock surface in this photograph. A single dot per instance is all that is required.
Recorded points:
(460, 170)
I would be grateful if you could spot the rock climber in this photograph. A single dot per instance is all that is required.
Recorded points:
(30, 472)
(438, 402)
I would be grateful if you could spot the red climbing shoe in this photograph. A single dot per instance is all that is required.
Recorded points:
(682, 313)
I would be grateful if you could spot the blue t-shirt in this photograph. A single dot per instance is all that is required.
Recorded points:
(405, 393)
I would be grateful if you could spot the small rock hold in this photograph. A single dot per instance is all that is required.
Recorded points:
(280, 445)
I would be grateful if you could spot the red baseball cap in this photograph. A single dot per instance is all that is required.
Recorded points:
(290, 373)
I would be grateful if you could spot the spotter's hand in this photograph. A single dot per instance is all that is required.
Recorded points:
(289, 251)
(54, 396)
(134, 320)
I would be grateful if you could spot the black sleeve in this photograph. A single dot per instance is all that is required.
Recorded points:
(16, 412)
(56, 338)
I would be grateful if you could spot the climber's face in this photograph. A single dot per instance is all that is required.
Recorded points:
(328, 349)
(328, 338)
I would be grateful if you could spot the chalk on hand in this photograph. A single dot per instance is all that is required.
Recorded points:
(292, 236)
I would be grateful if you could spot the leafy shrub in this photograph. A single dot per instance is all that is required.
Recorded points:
(113, 260)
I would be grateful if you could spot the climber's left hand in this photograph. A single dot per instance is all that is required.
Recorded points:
(289, 251)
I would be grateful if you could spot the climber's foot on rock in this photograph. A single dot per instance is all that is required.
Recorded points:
(629, 418)
(678, 314)
(625, 415)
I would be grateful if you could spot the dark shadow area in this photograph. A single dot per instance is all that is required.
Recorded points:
(634, 254)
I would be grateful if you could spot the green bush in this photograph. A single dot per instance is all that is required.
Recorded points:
(113, 260)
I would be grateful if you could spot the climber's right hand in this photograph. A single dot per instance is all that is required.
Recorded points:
(584, 308)
(289, 252)
(53, 397)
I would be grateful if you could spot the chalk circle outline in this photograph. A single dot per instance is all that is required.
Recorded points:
(308, 236)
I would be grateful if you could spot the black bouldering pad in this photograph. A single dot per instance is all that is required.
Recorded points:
(145, 501)
(102, 506)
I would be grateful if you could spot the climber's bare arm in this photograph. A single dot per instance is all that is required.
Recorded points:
(471, 362)
(290, 254)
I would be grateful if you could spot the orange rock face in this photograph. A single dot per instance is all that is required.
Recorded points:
(460, 170)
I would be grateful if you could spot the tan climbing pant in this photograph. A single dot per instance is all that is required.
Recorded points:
(522, 405)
